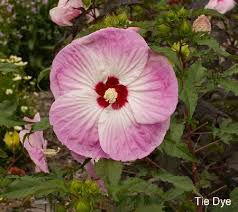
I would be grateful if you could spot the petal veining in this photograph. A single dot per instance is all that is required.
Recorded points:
(74, 117)
(153, 97)
(122, 138)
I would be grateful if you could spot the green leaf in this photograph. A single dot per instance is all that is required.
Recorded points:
(197, 73)
(51, 186)
(43, 75)
(150, 208)
(139, 188)
(208, 12)
(10, 122)
(8, 67)
(87, 3)
(179, 150)
(182, 182)
(229, 127)
(210, 42)
(231, 71)
(137, 185)
(206, 178)
(234, 197)
(189, 96)
(226, 131)
(42, 125)
(7, 118)
(213, 44)
(169, 53)
(3, 154)
(7, 108)
(109, 170)
(4, 182)
(173, 193)
(193, 78)
(28, 186)
(229, 85)
(176, 130)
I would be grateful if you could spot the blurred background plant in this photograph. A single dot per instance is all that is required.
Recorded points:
(17, 99)
(26, 30)
(199, 155)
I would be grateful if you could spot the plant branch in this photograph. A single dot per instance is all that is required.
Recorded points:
(208, 145)
(152, 162)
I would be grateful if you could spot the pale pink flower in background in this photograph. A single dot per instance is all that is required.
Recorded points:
(202, 24)
(221, 6)
(66, 11)
(35, 144)
(113, 96)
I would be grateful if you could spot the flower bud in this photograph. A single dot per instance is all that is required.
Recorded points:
(93, 187)
(12, 140)
(164, 29)
(182, 12)
(183, 48)
(185, 27)
(83, 206)
(115, 20)
(202, 24)
(76, 186)
(171, 16)
(9, 91)
(24, 108)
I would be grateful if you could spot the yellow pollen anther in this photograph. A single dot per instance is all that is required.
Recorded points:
(110, 95)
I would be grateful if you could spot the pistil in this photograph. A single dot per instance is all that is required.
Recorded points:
(110, 95)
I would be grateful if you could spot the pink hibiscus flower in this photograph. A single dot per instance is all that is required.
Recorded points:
(221, 6)
(65, 12)
(35, 144)
(114, 96)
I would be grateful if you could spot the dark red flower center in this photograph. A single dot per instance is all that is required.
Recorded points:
(111, 93)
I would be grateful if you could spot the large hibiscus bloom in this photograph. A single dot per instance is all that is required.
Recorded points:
(114, 96)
